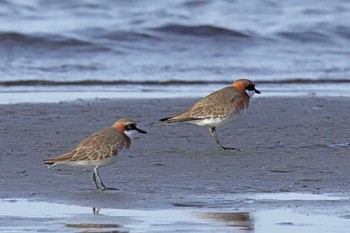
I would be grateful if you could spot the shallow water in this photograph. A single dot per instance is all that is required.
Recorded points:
(18, 215)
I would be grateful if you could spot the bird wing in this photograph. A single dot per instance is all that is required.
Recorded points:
(105, 143)
(221, 103)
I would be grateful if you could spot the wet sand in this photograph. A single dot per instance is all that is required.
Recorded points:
(298, 145)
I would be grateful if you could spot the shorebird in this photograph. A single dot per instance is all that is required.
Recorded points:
(99, 149)
(218, 108)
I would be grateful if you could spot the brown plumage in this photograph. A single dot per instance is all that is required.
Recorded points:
(99, 149)
(218, 108)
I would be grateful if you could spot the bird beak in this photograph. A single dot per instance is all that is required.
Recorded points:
(140, 130)
(257, 91)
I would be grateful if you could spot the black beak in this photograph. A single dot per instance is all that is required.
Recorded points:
(140, 130)
(257, 91)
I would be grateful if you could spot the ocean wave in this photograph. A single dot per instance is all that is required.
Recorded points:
(342, 31)
(159, 83)
(305, 36)
(49, 40)
(129, 36)
(202, 31)
(103, 83)
(115, 34)
(67, 68)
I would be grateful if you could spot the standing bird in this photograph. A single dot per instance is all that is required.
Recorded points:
(218, 108)
(99, 149)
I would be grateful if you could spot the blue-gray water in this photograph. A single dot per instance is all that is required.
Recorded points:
(171, 46)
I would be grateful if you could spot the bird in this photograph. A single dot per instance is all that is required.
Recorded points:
(99, 149)
(218, 108)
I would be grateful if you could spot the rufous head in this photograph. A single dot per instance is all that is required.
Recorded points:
(245, 85)
(128, 127)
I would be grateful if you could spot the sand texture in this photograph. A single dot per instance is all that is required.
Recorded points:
(286, 145)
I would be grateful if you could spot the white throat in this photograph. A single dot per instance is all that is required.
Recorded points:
(250, 93)
(130, 133)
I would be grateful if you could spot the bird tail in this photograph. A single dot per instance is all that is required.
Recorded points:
(58, 160)
(49, 163)
(178, 118)
(170, 120)
(166, 120)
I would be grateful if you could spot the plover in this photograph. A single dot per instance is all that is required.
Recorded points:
(99, 149)
(218, 108)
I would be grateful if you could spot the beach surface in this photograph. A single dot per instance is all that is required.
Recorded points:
(288, 146)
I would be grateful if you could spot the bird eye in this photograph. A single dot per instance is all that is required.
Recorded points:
(250, 87)
(130, 126)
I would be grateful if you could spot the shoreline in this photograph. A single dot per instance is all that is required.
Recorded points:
(43, 94)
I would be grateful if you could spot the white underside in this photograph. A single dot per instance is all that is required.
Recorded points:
(214, 121)
(91, 163)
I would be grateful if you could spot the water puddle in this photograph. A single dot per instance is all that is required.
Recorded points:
(297, 197)
(339, 145)
(29, 216)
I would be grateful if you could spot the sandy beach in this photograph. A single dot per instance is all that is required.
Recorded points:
(287, 145)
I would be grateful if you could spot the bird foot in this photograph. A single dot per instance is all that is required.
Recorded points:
(228, 148)
(106, 188)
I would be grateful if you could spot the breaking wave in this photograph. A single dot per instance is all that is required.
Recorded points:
(158, 83)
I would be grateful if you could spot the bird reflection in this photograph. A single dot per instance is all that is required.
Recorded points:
(95, 210)
(240, 220)
(96, 227)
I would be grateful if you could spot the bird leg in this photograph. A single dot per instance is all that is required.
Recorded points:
(212, 131)
(94, 174)
(99, 180)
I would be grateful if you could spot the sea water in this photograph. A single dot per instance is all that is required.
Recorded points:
(64, 50)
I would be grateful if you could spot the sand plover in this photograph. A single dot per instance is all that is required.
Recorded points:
(218, 108)
(99, 149)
